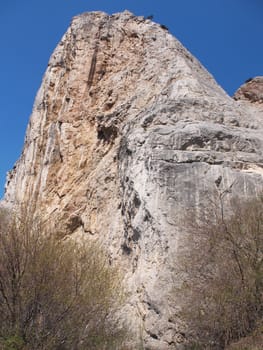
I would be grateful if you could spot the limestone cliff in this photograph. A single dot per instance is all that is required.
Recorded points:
(128, 131)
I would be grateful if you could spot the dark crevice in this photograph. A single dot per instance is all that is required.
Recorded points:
(126, 250)
(92, 67)
(136, 235)
(152, 335)
(74, 223)
(136, 201)
(107, 133)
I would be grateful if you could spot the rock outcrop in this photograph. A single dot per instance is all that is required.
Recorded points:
(251, 91)
(127, 133)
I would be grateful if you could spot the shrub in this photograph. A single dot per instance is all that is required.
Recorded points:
(13, 343)
(222, 291)
(55, 294)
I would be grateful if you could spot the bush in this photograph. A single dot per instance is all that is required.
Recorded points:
(222, 292)
(55, 294)
(13, 343)
(252, 342)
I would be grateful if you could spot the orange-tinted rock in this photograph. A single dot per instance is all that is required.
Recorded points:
(251, 91)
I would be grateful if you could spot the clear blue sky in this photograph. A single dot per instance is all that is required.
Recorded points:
(225, 35)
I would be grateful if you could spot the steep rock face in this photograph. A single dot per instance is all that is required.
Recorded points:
(127, 133)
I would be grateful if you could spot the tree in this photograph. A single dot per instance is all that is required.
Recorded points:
(55, 294)
(222, 290)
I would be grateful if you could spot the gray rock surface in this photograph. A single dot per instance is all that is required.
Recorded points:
(127, 133)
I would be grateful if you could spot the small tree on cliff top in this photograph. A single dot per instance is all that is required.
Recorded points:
(53, 294)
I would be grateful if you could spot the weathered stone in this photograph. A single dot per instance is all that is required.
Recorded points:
(128, 132)
(251, 91)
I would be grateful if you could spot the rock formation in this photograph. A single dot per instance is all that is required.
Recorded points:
(127, 133)
(251, 91)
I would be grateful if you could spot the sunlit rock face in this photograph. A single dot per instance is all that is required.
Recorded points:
(251, 91)
(127, 133)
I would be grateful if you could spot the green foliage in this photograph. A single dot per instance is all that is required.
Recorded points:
(222, 293)
(13, 343)
(55, 294)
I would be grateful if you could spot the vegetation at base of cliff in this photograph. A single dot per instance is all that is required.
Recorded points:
(222, 269)
(55, 294)
(251, 342)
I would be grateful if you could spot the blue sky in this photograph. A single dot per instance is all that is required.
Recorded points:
(225, 35)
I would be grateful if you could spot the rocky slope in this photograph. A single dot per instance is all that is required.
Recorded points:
(127, 133)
